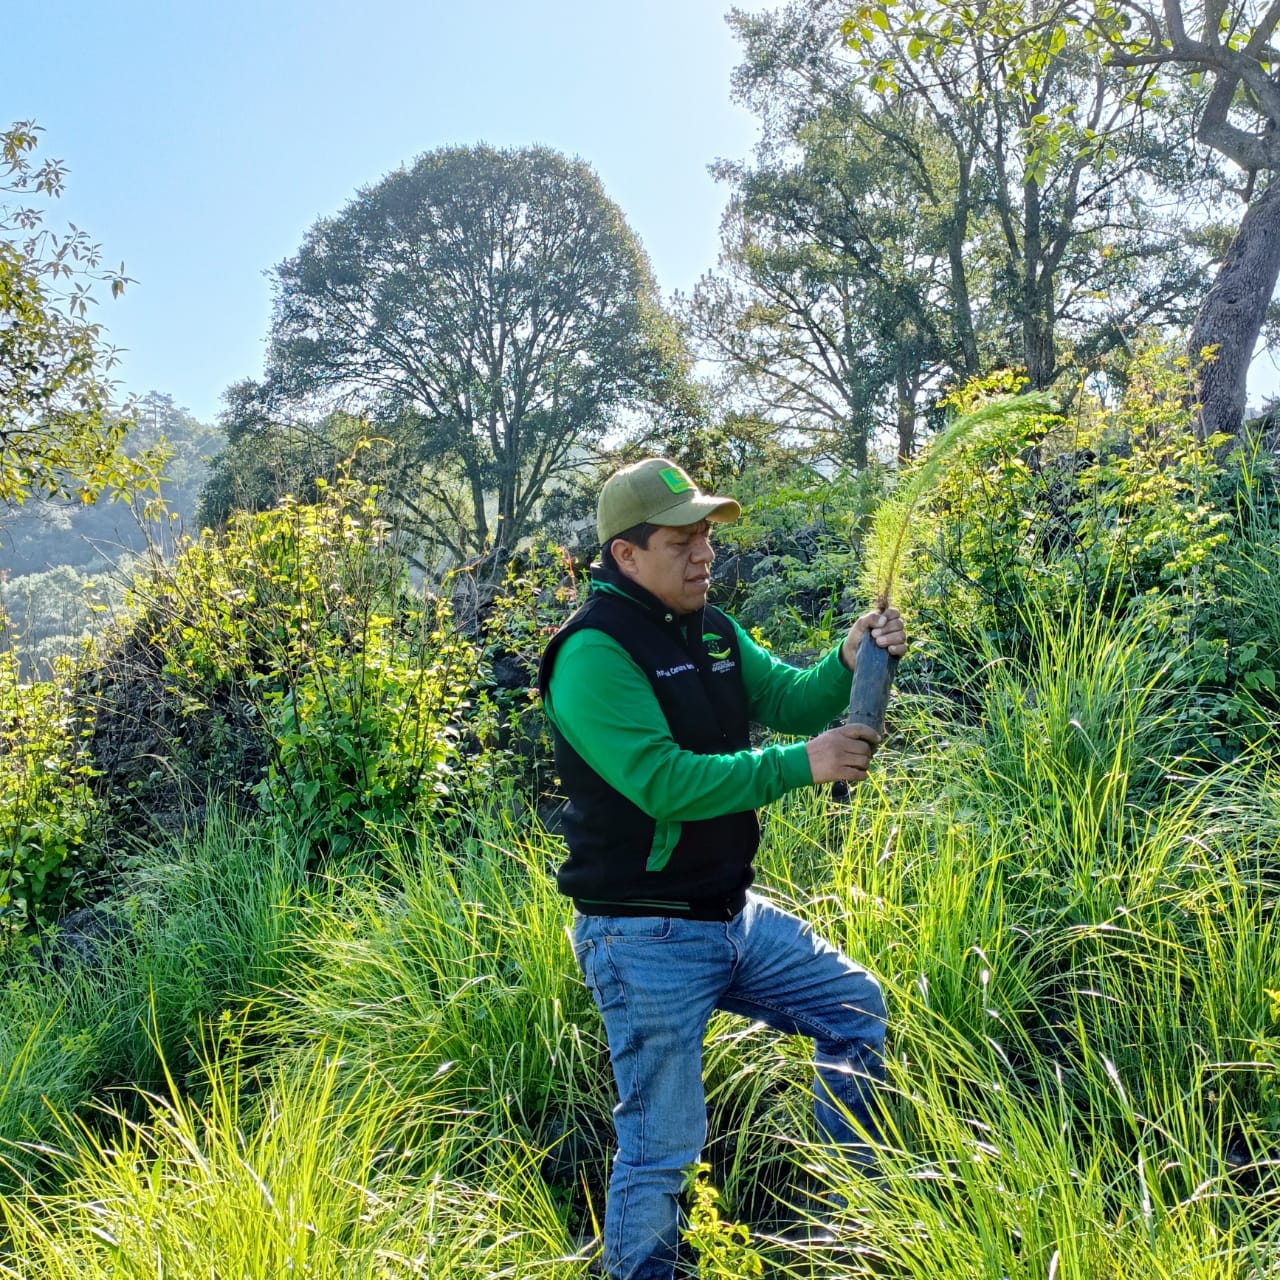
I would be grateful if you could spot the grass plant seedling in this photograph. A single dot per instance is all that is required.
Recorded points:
(873, 674)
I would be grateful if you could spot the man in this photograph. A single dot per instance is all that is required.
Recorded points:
(651, 692)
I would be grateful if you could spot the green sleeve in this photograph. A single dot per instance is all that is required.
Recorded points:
(790, 699)
(605, 707)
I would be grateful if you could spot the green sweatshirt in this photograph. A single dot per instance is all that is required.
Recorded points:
(626, 740)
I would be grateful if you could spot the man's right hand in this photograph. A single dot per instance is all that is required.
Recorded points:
(842, 754)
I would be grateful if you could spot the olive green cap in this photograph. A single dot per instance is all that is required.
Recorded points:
(656, 491)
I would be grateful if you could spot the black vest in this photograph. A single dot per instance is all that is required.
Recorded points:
(609, 869)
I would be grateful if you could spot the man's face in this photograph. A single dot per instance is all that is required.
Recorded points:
(675, 566)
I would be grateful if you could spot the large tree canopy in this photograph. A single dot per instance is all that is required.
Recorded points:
(935, 194)
(493, 315)
(58, 435)
(1217, 59)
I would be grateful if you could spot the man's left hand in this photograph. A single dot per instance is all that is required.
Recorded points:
(886, 630)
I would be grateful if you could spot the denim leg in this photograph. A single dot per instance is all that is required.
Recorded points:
(790, 979)
(655, 982)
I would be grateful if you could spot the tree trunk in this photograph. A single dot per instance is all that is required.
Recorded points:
(858, 445)
(1231, 316)
(961, 305)
(906, 389)
(1038, 349)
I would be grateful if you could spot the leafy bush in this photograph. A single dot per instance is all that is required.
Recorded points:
(510, 737)
(48, 815)
(1124, 512)
(298, 624)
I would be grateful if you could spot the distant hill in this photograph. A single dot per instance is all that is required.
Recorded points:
(60, 562)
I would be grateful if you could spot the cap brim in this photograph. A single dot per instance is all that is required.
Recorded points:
(701, 507)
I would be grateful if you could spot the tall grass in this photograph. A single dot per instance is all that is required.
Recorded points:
(198, 930)
(1078, 943)
(310, 1178)
(1077, 940)
(452, 975)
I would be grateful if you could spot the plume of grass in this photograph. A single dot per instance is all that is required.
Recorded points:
(892, 527)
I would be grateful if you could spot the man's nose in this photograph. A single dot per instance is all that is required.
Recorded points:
(702, 551)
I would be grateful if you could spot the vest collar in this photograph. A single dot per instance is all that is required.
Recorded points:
(609, 581)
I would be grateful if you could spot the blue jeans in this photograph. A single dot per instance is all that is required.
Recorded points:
(656, 981)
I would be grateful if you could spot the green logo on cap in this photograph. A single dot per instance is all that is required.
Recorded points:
(675, 480)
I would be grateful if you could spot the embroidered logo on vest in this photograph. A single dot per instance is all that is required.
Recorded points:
(715, 646)
(719, 648)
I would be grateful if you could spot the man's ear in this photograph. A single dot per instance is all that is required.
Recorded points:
(624, 556)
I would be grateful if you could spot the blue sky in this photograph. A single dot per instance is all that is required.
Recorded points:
(204, 140)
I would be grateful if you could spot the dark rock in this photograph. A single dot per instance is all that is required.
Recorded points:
(737, 571)
(509, 672)
(84, 937)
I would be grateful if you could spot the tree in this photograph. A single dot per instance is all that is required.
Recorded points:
(493, 316)
(824, 309)
(1217, 61)
(58, 436)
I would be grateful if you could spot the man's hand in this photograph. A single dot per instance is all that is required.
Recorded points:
(842, 754)
(886, 630)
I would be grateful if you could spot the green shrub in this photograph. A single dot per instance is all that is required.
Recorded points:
(298, 621)
(723, 1248)
(510, 739)
(49, 819)
(1124, 512)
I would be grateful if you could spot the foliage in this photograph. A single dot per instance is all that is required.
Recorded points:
(49, 818)
(817, 314)
(1213, 64)
(733, 449)
(300, 615)
(940, 192)
(893, 520)
(1082, 1037)
(494, 316)
(1058, 147)
(51, 615)
(325, 1188)
(65, 566)
(786, 567)
(723, 1249)
(58, 436)
(192, 929)
(1125, 510)
(265, 460)
(393, 1068)
(510, 737)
